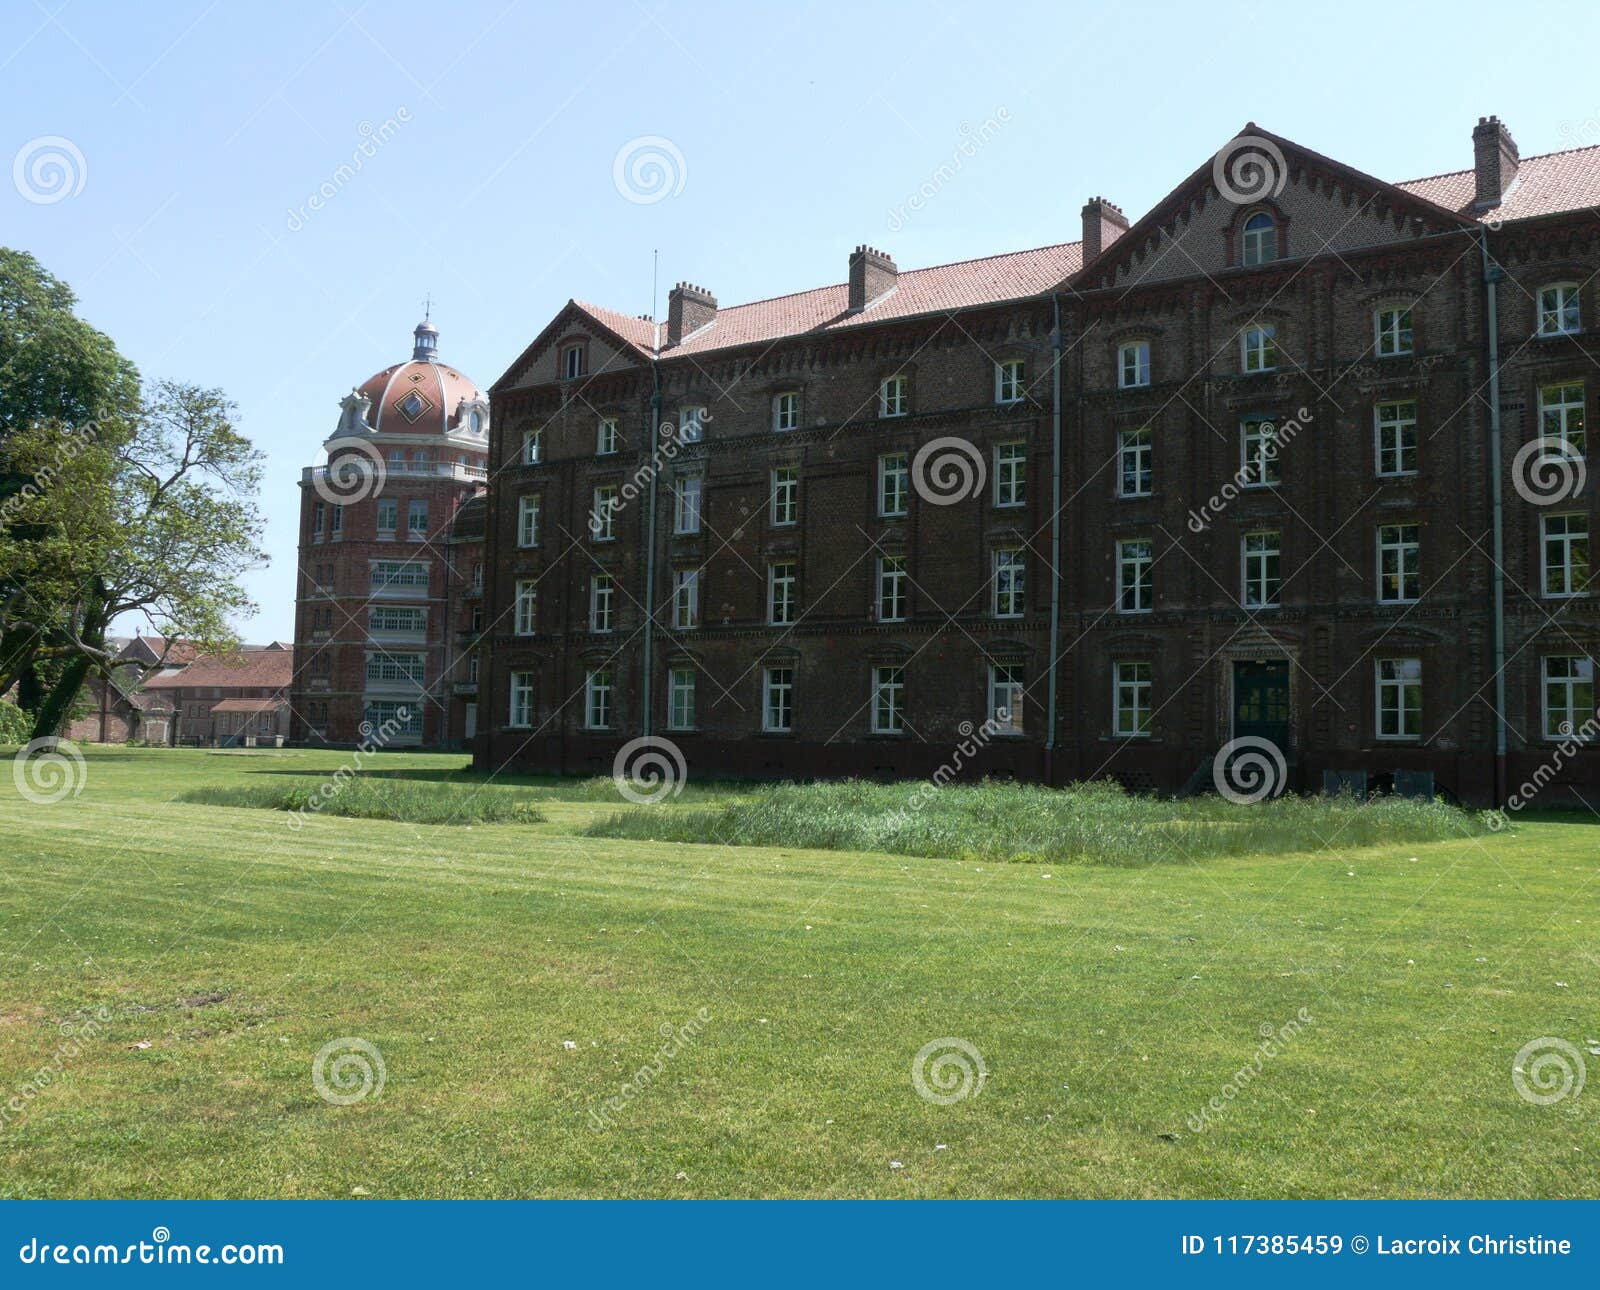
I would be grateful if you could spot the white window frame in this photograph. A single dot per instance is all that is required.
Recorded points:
(1393, 422)
(1396, 684)
(1131, 687)
(786, 410)
(1258, 245)
(1560, 310)
(785, 502)
(685, 599)
(691, 424)
(681, 685)
(1399, 558)
(1562, 405)
(1575, 715)
(1010, 474)
(900, 475)
(688, 497)
(605, 437)
(572, 362)
(894, 396)
(783, 593)
(597, 713)
(1258, 348)
(603, 518)
(1135, 449)
(777, 700)
(415, 507)
(1572, 576)
(602, 603)
(1254, 586)
(894, 582)
(520, 713)
(528, 508)
(1009, 586)
(1133, 364)
(1392, 333)
(1135, 575)
(1007, 692)
(526, 606)
(889, 700)
(532, 447)
(1010, 375)
(1259, 447)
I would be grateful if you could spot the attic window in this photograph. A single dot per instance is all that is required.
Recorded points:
(1260, 242)
(572, 362)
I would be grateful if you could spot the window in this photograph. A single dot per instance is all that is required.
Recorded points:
(1399, 564)
(602, 519)
(605, 439)
(1134, 463)
(338, 520)
(597, 700)
(1260, 241)
(1010, 592)
(786, 411)
(1399, 698)
(319, 511)
(782, 593)
(1568, 696)
(888, 700)
(1133, 364)
(1558, 310)
(572, 362)
(1566, 554)
(388, 518)
(686, 598)
(1561, 417)
(408, 668)
(398, 573)
(894, 485)
(1262, 554)
(602, 598)
(1005, 697)
(680, 698)
(893, 585)
(1135, 590)
(396, 620)
(1396, 431)
(1392, 332)
(1010, 473)
(1130, 699)
(691, 424)
(1258, 348)
(1008, 377)
(477, 578)
(521, 714)
(786, 495)
(527, 601)
(530, 447)
(686, 504)
(1258, 453)
(417, 519)
(894, 397)
(400, 718)
(527, 521)
(777, 700)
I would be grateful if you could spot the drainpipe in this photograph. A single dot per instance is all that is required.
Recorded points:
(1055, 539)
(648, 688)
(1492, 273)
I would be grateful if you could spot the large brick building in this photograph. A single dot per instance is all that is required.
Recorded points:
(1260, 464)
(390, 570)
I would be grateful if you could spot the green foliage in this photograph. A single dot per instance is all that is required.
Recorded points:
(1092, 822)
(365, 798)
(15, 724)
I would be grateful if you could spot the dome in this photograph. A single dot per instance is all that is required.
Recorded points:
(423, 396)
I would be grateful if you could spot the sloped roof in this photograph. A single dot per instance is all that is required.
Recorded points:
(249, 705)
(255, 669)
(1545, 185)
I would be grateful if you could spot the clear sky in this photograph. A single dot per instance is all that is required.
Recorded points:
(793, 132)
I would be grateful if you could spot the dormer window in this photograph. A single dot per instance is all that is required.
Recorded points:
(1558, 309)
(1259, 244)
(786, 411)
(572, 363)
(1133, 364)
(692, 424)
(1393, 332)
(1008, 377)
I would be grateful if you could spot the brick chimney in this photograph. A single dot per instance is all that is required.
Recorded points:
(689, 308)
(1494, 160)
(1103, 224)
(872, 275)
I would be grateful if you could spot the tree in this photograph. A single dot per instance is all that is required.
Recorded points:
(155, 517)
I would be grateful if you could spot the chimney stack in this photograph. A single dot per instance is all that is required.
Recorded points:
(1494, 161)
(689, 308)
(1103, 224)
(872, 276)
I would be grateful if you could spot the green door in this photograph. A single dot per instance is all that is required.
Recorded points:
(1261, 702)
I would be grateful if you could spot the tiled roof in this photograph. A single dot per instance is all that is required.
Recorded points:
(1016, 275)
(249, 705)
(1545, 185)
(253, 670)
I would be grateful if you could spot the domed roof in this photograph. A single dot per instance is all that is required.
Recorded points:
(422, 396)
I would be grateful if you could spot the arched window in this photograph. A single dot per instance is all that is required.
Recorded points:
(1260, 242)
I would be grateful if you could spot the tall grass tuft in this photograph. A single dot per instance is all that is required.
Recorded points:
(364, 798)
(1094, 822)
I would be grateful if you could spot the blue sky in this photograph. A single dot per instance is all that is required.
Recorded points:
(203, 129)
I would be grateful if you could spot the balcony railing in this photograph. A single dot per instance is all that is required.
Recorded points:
(413, 470)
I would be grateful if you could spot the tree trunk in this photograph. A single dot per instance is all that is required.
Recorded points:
(53, 710)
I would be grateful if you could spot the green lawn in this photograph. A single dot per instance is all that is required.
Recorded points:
(514, 977)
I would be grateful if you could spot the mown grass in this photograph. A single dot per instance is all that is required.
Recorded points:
(1086, 823)
(516, 979)
(363, 798)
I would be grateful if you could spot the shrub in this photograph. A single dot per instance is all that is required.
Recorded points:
(365, 798)
(16, 726)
